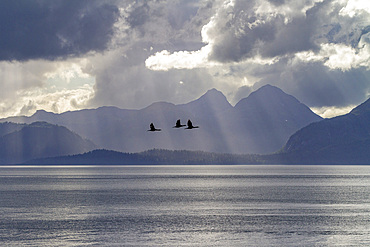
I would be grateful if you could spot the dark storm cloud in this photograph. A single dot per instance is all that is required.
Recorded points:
(177, 13)
(232, 48)
(43, 29)
(175, 25)
(139, 15)
(293, 37)
(243, 32)
(248, 34)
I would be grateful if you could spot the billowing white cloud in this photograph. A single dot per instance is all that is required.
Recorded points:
(344, 57)
(164, 60)
(247, 30)
(27, 102)
(38, 84)
(340, 56)
(329, 112)
(68, 71)
(355, 7)
(58, 101)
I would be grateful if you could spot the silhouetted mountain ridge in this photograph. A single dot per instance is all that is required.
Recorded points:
(270, 117)
(340, 140)
(38, 140)
(343, 139)
(260, 123)
(278, 105)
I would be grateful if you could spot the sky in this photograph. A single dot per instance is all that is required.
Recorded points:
(65, 55)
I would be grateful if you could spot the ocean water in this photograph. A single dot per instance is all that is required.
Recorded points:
(185, 206)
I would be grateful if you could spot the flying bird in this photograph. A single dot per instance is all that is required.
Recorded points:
(190, 125)
(178, 124)
(152, 128)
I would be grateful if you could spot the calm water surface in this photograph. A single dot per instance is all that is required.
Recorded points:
(185, 206)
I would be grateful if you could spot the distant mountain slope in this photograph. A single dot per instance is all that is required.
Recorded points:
(8, 127)
(270, 117)
(339, 139)
(270, 104)
(40, 139)
(261, 123)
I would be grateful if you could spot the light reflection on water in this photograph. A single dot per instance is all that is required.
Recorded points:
(185, 205)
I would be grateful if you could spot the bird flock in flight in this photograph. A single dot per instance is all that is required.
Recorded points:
(178, 125)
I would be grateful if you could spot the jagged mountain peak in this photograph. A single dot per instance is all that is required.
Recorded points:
(213, 94)
(211, 99)
(267, 95)
(213, 91)
(272, 101)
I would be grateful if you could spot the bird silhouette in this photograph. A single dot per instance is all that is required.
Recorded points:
(178, 124)
(152, 128)
(190, 125)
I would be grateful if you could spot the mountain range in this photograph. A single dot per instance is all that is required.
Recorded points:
(260, 123)
(267, 127)
(343, 140)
